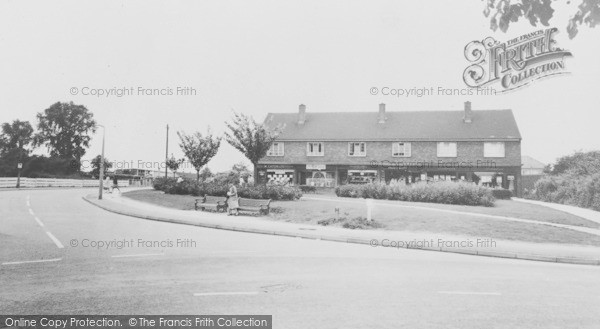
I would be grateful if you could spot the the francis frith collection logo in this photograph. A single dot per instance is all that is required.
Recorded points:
(516, 62)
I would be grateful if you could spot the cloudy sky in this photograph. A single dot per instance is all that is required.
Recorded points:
(269, 56)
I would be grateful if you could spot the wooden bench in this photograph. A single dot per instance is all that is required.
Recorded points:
(212, 202)
(257, 205)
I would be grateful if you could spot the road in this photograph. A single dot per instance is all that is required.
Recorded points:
(302, 283)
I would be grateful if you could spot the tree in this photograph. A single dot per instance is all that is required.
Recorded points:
(578, 164)
(199, 149)
(174, 164)
(65, 128)
(15, 135)
(206, 174)
(503, 12)
(251, 138)
(95, 163)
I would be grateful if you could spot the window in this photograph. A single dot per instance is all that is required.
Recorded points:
(276, 150)
(315, 149)
(401, 149)
(493, 150)
(446, 149)
(357, 149)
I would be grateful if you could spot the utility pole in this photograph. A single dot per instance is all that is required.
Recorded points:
(101, 174)
(167, 152)
(19, 165)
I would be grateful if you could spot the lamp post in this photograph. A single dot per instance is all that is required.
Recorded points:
(101, 174)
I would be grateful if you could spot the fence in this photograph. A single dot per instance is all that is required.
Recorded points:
(54, 182)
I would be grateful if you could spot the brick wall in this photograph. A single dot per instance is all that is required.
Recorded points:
(337, 153)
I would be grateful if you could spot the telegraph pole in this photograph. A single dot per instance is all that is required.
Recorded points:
(167, 152)
(101, 172)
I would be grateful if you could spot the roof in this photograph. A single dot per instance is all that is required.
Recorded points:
(404, 125)
(529, 162)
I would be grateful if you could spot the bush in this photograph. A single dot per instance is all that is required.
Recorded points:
(192, 187)
(273, 192)
(439, 192)
(359, 222)
(580, 191)
(164, 184)
(308, 188)
(502, 194)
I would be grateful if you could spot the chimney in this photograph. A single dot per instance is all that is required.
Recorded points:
(468, 118)
(381, 116)
(301, 114)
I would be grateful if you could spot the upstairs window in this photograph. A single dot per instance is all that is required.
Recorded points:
(493, 150)
(357, 149)
(401, 149)
(276, 150)
(446, 149)
(315, 149)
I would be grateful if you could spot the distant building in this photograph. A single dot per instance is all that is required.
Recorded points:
(531, 166)
(336, 148)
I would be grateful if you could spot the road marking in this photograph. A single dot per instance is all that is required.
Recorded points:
(38, 221)
(28, 204)
(33, 261)
(201, 294)
(56, 241)
(136, 255)
(31, 212)
(469, 293)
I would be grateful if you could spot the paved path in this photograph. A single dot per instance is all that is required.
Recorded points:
(588, 214)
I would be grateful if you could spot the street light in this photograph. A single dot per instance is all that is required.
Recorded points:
(101, 175)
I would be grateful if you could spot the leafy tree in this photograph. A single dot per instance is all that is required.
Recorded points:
(251, 138)
(578, 164)
(503, 12)
(65, 128)
(206, 174)
(16, 135)
(95, 163)
(199, 149)
(174, 164)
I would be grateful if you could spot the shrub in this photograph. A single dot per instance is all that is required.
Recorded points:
(354, 223)
(308, 188)
(164, 184)
(273, 192)
(502, 194)
(439, 192)
(580, 191)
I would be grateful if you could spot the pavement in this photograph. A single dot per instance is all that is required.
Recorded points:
(62, 255)
(426, 241)
(588, 214)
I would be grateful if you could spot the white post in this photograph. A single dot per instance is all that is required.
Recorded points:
(369, 208)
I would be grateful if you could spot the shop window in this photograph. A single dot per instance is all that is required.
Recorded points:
(357, 149)
(315, 149)
(276, 150)
(493, 150)
(446, 149)
(401, 149)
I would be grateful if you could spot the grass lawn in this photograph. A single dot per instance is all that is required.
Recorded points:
(405, 219)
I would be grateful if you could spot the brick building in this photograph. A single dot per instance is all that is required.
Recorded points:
(329, 149)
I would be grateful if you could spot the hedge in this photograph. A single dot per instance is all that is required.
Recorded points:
(580, 191)
(192, 187)
(438, 192)
(502, 194)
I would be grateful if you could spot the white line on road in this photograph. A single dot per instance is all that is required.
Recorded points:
(33, 261)
(38, 221)
(55, 240)
(136, 255)
(469, 293)
(28, 203)
(31, 212)
(200, 294)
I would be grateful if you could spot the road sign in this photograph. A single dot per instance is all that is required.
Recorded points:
(20, 166)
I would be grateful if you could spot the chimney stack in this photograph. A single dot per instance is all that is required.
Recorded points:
(381, 116)
(301, 114)
(468, 118)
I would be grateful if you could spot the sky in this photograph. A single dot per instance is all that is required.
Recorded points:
(261, 56)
